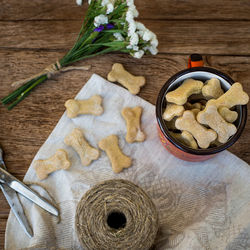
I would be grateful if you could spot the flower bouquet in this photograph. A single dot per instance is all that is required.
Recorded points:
(108, 26)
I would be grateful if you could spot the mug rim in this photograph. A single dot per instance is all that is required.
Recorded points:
(163, 127)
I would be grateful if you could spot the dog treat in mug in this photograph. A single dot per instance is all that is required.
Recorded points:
(172, 110)
(189, 106)
(187, 88)
(56, 162)
(77, 141)
(213, 119)
(92, 106)
(119, 161)
(227, 114)
(186, 138)
(212, 89)
(195, 111)
(171, 124)
(216, 143)
(129, 81)
(202, 135)
(132, 117)
(234, 96)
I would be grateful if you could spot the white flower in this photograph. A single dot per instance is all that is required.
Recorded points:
(134, 11)
(134, 39)
(135, 48)
(105, 2)
(130, 2)
(118, 36)
(148, 35)
(89, 2)
(153, 50)
(79, 2)
(154, 42)
(140, 26)
(110, 8)
(138, 54)
(109, 5)
(140, 33)
(131, 28)
(131, 8)
(129, 16)
(101, 19)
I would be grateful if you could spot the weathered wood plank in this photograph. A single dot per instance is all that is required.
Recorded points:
(185, 37)
(158, 9)
(24, 129)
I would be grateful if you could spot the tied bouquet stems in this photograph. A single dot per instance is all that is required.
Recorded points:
(108, 26)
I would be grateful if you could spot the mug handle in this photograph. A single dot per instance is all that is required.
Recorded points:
(195, 60)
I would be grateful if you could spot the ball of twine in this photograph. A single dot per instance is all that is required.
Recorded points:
(116, 214)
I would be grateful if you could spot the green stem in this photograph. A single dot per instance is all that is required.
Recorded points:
(27, 91)
(16, 92)
(96, 54)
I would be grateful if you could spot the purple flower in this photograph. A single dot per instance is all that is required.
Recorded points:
(99, 29)
(110, 26)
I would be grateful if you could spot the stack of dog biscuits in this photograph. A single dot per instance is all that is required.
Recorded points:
(201, 115)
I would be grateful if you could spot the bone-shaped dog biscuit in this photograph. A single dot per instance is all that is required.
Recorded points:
(186, 138)
(92, 106)
(213, 119)
(129, 81)
(202, 135)
(56, 162)
(234, 96)
(77, 141)
(196, 105)
(180, 95)
(132, 117)
(227, 114)
(171, 124)
(195, 111)
(119, 161)
(172, 110)
(212, 89)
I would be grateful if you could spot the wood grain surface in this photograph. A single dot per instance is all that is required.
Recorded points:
(35, 33)
(184, 36)
(157, 9)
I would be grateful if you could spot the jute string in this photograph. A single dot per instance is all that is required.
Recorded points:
(49, 71)
(122, 197)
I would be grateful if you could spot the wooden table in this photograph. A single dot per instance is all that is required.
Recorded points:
(34, 34)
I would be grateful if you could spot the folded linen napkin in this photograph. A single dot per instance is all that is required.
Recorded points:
(202, 205)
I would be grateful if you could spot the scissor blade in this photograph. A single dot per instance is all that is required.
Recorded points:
(18, 186)
(31, 195)
(2, 164)
(17, 209)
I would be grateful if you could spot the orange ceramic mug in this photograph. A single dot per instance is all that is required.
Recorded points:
(198, 72)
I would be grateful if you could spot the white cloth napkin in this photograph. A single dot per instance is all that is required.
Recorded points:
(202, 205)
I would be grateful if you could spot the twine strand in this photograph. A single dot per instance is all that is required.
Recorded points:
(50, 71)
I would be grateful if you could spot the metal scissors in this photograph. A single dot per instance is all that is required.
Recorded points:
(10, 186)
